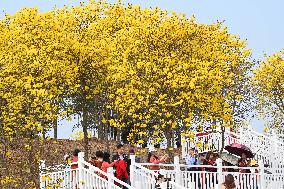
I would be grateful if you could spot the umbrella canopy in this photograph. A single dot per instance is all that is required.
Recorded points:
(232, 159)
(238, 149)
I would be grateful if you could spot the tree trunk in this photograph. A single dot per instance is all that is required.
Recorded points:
(223, 139)
(55, 129)
(118, 134)
(85, 131)
(169, 143)
(100, 131)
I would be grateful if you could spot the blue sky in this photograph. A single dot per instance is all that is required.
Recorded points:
(258, 21)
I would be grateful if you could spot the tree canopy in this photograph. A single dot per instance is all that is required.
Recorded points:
(147, 72)
(269, 83)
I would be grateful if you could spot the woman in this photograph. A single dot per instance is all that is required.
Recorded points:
(74, 164)
(106, 162)
(243, 162)
(244, 178)
(152, 158)
(98, 160)
(229, 182)
(210, 160)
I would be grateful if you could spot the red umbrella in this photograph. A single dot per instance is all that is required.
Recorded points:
(238, 149)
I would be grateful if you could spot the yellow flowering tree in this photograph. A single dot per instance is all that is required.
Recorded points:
(34, 74)
(269, 84)
(171, 72)
(147, 72)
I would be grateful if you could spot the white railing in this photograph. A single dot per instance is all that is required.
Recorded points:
(143, 178)
(205, 178)
(61, 179)
(268, 150)
(177, 186)
(86, 176)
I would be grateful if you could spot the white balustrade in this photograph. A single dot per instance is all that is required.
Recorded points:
(268, 150)
(259, 177)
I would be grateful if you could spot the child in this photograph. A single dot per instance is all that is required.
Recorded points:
(161, 182)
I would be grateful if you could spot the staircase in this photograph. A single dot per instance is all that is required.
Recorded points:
(268, 150)
(86, 176)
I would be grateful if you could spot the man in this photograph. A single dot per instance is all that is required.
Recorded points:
(121, 166)
(191, 159)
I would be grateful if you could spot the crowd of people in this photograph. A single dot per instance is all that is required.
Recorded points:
(121, 164)
(209, 158)
(103, 160)
(193, 159)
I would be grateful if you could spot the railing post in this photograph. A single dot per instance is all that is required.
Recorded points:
(183, 146)
(110, 175)
(41, 167)
(132, 167)
(177, 170)
(218, 139)
(81, 156)
(261, 174)
(219, 172)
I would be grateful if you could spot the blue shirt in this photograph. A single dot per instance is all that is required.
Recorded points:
(191, 160)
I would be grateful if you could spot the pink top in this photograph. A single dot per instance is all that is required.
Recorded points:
(106, 165)
(154, 160)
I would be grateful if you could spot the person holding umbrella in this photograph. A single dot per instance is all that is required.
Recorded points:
(244, 152)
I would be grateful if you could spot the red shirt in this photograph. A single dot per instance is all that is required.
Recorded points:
(74, 164)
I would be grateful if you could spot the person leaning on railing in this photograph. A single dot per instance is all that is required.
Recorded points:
(191, 159)
(243, 162)
(152, 158)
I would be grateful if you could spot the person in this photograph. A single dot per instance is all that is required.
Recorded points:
(74, 164)
(152, 158)
(121, 166)
(191, 159)
(161, 182)
(243, 162)
(229, 182)
(201, 158)
(67, 159)
(93, 160)
(99, 159)
(105, 162)
(210, 160)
